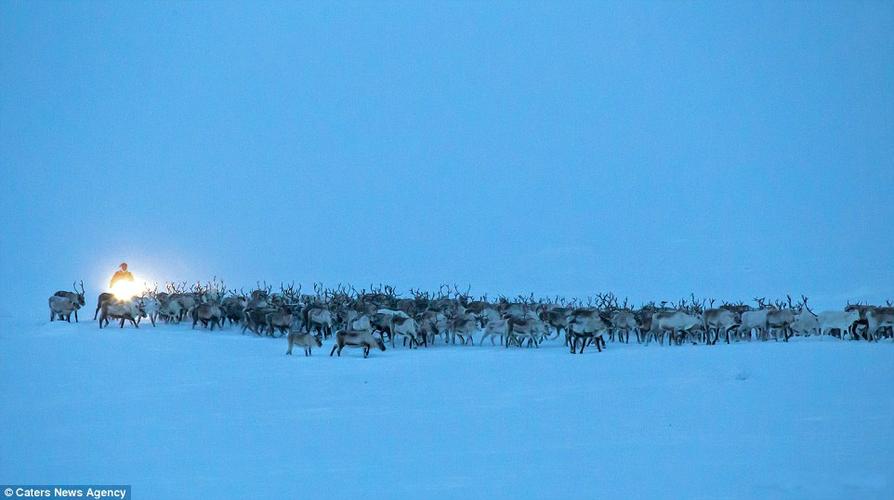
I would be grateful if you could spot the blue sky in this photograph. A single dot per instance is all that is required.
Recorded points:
(730, 149)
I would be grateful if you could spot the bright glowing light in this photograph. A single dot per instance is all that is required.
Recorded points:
(125, 290)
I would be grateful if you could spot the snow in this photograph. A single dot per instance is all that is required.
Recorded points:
(179, 413)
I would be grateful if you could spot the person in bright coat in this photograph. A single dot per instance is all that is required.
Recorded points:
(121, 274)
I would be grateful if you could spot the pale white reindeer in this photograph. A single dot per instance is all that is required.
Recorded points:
(77, 297)
(719, 320)
(495, 328)
(306, 340)
(677, 324)
(62, 308)
(837, 320)
(406, 326)
(123, 310)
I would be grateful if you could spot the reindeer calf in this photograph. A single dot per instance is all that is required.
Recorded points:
(306, 340)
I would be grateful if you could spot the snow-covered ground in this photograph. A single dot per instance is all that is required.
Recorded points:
(179, 413)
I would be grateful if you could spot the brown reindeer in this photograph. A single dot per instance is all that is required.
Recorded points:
(364, 340)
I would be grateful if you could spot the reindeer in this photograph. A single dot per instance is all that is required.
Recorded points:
(872, 319)
(396, 322)
(755, 319)
(403, 325)
(676, 323)
(381, 322)
(123, 310)
(62, 307)
(519, 330)
(152, 308)
(178, 302)
(879, 318)
(806, 322)
(431, 323)
(356, 320)
(234, 306)
(103, 297)
(76, 297)
(585, 326)
(151, 304)
(207, 313)
(319, 319)
(259, 297)
(782, 318)
(717, 320)
(255, 320)
(306, 340)
(462, 326)
(556, 318)
(364, 340)
(169, 308)
(623, 321)
(644, 320)
(486, 315)
(493, 328)
(842, 321)
(281, 320)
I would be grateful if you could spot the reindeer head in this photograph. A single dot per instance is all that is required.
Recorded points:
(140, 307)
(81, 294)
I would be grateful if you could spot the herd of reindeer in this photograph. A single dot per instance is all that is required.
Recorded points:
(369, 318)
